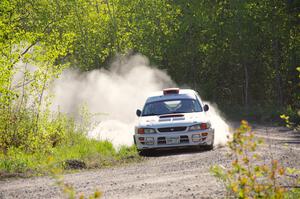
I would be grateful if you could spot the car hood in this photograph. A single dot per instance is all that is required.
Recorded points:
(179, 119)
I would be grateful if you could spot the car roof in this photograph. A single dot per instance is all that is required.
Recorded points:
(183, 94)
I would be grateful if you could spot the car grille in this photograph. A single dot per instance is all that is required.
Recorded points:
(183, 139)
(172, 129)
(161, 140)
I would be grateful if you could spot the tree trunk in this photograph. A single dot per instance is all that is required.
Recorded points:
(111, 13)
(277, 72)
(246, 85)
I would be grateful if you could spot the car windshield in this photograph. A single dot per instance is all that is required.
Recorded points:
(171, 106)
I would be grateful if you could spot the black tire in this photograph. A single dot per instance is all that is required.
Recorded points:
(209, 147)
(134, 141)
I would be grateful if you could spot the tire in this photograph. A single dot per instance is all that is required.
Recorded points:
(134, 141)
(211, 146)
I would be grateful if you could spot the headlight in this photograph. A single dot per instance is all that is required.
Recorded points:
(201, 126)
(145, 131)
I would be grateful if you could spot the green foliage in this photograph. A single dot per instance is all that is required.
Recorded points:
(268, 114)
(292, 116)
(128, 154)
(38, 39)
(249, 176)
(31, 42)
(294, 192)
(241, 53)
(236, 53)
(74, 146)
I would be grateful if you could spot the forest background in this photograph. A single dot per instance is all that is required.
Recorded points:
(242, 55)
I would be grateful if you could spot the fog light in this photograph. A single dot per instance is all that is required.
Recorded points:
(204, 134)
(196, 138)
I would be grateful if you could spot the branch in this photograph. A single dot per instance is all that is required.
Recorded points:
(23, 84)
(31, 45)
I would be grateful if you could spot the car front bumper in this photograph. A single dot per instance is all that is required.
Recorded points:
(174, 139)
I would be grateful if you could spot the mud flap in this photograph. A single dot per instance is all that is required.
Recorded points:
(134, 140)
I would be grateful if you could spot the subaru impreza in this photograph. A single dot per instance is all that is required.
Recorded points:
(173, 118)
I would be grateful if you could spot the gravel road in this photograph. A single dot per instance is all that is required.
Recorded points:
(175, 174)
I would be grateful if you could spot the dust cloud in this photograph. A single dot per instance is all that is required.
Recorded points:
(115, 94)
(222, 129)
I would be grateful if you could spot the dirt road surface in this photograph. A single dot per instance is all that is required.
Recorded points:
(175, 174)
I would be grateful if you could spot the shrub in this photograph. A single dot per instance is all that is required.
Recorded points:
(249, 177)
(63, 139)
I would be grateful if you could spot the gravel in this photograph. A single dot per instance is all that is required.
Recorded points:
(175, 174)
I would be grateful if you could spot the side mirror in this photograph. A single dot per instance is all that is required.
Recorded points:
(206, 107)
(138, 112)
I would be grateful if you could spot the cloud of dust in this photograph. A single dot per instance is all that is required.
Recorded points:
(222, 129)
(116, 93)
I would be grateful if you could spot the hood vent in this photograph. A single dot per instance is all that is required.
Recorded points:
(171, 115)
(164, 120)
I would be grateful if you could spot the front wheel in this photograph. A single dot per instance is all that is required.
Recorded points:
(211, 146)
(134, 141)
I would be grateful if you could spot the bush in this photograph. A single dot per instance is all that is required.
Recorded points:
(291, 118)
(60, 139)
(249, 176)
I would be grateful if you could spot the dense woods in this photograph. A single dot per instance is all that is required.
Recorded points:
(241, 54)
(233, 52)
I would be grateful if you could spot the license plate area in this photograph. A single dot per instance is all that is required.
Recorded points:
(172, 140)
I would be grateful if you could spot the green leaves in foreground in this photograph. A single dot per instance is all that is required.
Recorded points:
(249, 176)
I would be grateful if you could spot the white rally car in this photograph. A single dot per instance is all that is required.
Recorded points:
(173, 118)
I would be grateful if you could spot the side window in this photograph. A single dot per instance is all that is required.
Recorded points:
(198, 102)
(197, 105)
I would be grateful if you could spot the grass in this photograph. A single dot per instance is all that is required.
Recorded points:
(80, 149)
(60, 144)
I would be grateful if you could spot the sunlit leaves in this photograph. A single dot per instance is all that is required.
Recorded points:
(249, 176)
(32, 41)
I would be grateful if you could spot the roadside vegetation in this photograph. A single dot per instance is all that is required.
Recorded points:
(35, 44)
(241, 55)
(68, 148)
(251, 175)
